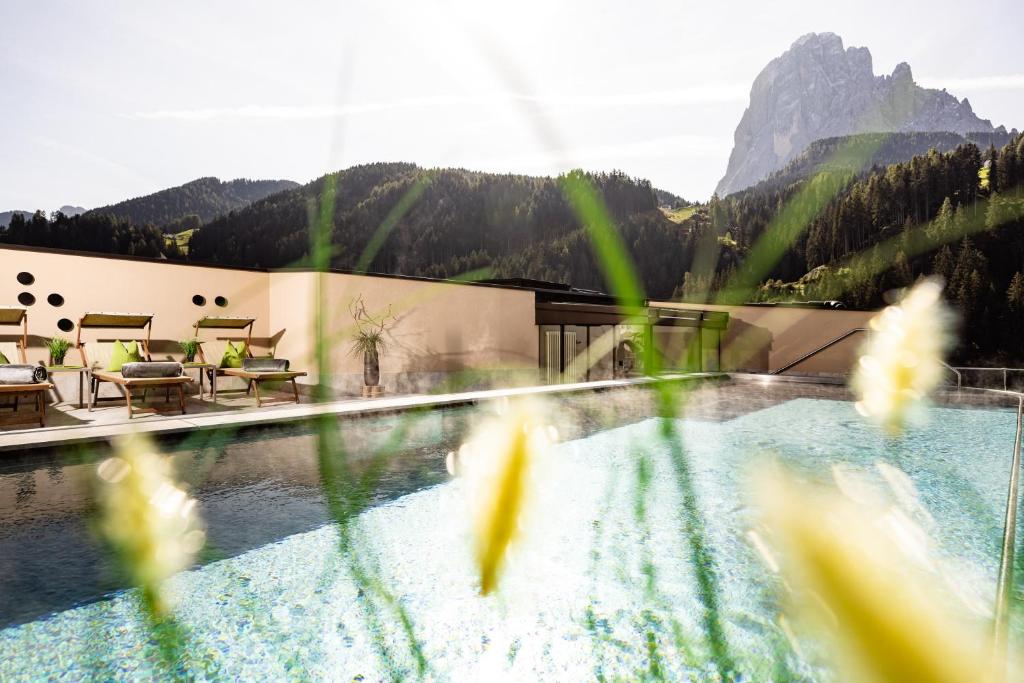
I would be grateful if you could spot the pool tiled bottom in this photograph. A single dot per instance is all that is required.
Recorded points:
(602, 585)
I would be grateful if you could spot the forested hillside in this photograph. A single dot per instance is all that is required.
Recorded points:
(457, 220)
(205, 198)
(887, 149)
(454, 221)
(958, 214)
(669, 200)
(86, 232)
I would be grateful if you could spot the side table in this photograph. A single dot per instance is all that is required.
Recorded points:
(82, 372)
(205, 370)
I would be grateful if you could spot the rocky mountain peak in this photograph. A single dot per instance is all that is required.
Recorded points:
(819, 89)
(902, 73)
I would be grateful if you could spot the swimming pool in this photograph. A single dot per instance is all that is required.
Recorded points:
(603, 584)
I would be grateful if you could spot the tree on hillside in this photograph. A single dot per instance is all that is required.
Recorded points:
(944, 264)
(992, 170)
(1015, 296)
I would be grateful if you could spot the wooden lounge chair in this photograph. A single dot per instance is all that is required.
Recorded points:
(15, 353)
(212, 351)
(97, 360)
(256, 377)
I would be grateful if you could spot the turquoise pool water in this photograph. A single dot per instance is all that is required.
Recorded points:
(603, 584)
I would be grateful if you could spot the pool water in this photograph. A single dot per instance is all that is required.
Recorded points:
(602, 586)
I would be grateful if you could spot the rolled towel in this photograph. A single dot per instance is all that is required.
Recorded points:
(151, 369)
(265, 364)
(22, 374)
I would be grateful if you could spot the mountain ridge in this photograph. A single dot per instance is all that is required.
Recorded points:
(67, 210)
(206, 198)
(887, 149)
(514, 225)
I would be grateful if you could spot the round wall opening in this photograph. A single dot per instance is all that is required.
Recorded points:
(65, 325)
(221, 301)
(199, 300)
(55, 300)
(26, 278)
(26, 299)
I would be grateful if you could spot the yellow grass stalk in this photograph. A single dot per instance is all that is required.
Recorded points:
(148, 519)
(497, 463)
(902, 360)
(859, 585)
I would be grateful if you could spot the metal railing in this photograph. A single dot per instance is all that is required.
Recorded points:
(956, 370)
(815, 352)
(959, 376)
(1004, 586)
(1004, 583)
(1004, 371)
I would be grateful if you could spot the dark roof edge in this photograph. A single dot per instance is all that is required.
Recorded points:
(247, 269)
(123, 257)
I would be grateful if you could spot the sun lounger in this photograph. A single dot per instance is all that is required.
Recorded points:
(254, 371)
(258, 370)
(139, 376)
(17, 378)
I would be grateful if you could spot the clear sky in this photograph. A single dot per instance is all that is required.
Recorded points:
(107, 100)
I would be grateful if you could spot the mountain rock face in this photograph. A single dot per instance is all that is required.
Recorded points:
(817, 89)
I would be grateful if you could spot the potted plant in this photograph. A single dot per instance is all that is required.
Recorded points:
(631, 355)
(58, 347)
(368, 339)
(190, 347)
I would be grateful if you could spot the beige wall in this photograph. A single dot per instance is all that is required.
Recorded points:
(766, 338)
(120, 285)
(442, 332)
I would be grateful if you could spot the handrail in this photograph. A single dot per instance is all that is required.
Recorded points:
(959, 377)
(1002, 370)
(1005, 582)
(818, 350)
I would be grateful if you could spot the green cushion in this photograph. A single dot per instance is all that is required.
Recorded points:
(123, 353)
(233, 355)
(3, 359)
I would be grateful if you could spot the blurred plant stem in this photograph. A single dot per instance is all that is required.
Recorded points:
(617, 267)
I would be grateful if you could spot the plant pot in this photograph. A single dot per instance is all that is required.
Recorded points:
(57, 360)
(190, 358)
(371, 369)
